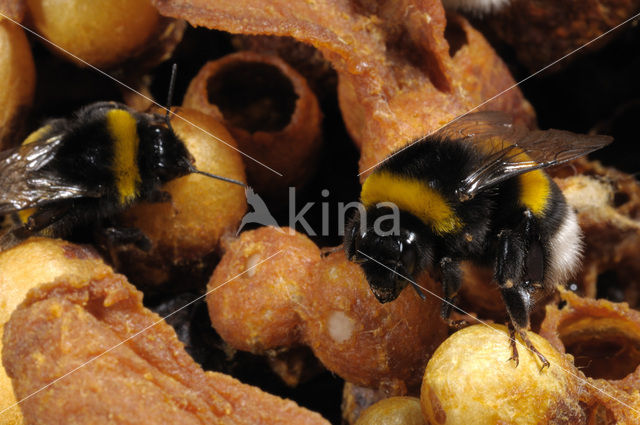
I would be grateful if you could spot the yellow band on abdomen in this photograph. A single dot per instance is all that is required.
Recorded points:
(23, 215)
(534, 186)
(535, 190)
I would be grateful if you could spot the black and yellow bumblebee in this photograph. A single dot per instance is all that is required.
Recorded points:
(88, 168)
(473, 191)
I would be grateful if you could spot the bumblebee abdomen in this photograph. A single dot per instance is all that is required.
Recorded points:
(534, 191)
(23, 215)
(37, 135)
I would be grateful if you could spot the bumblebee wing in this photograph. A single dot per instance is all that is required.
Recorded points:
(481, 125)
(24, 183)
(513, 150)
(553, 147)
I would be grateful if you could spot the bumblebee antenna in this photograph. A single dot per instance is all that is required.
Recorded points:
(418, 290)
(172, 84)
(226, 179)
(192, 169)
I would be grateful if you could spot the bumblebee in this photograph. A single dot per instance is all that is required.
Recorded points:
(474, 191)
(83, 170)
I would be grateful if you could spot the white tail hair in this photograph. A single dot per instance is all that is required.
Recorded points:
(481, 6)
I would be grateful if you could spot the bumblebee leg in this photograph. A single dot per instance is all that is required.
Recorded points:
(111, 237)
(326, 250)
(457, 324)
(451, 280)
(513, 329)
(40, 220)
(127, 235)
(525, 338)
(510, 274)
(350, 239)
(512, 339)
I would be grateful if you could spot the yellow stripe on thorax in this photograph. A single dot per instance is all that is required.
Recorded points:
(413, 196)
(122, 128)
(36, 135)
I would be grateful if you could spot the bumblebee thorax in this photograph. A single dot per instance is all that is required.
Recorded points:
(413, 195)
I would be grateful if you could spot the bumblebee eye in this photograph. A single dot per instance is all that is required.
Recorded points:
(355, 252)
(352, 239)
(408, 258)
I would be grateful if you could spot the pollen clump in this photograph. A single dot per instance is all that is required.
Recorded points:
(393, 411)
(133, 368)
(17, 81)
(100, 33)
(260, 309)
(25, 266)
(300, 298)
(470, 379)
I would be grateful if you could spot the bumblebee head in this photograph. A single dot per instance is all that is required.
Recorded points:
(170, 154)
(171, 159)
(390, 249)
